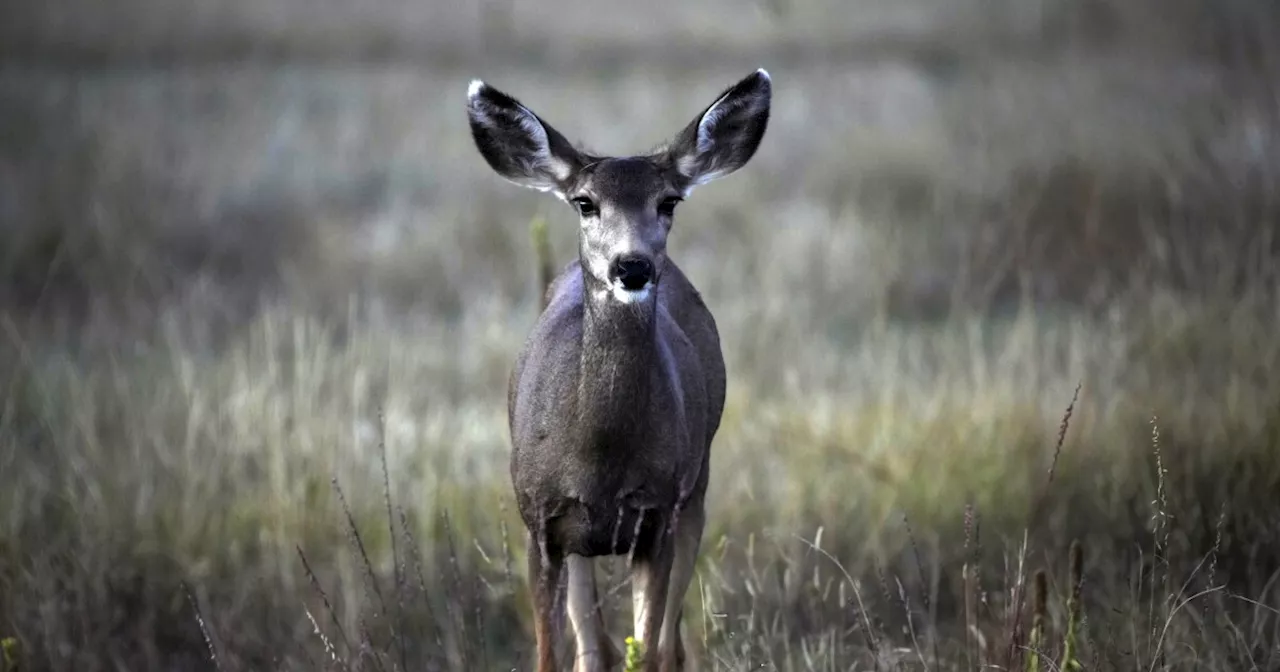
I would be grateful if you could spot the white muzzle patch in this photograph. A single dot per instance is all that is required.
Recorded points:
(630, 296)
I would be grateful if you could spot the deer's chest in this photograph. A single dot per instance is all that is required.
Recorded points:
(600, 508)
(602, 500)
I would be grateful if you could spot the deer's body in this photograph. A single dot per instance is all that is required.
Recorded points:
(615, 399)
(631, 381)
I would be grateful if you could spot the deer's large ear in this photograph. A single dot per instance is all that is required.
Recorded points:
(516, 143)
(725, 136)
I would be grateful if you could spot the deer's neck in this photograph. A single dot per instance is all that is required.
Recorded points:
(619, 351)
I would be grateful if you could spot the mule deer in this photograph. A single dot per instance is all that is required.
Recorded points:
(615, 398)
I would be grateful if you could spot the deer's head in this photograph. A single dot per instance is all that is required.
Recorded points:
(625, 205)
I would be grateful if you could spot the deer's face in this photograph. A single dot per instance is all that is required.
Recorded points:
(625, 209)
(625, 206)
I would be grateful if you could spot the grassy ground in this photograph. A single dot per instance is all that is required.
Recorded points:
(226, 287)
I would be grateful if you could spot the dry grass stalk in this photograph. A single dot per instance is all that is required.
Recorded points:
(873, 644)
(324, 640)
(328, 607)
(911, 628)
(367, 645)
(1062, 430)
(1076, 574)
(204, 628)
(455, 575)
(400, 634)
(412, 546)
(543, 257)
(974, 644)
(1160, 570)
(924, 585)
(1039, 611)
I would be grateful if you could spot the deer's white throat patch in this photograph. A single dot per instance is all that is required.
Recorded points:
(630, 296)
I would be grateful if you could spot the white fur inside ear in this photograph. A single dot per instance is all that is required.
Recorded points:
(707, 126)
(541, 161)
(542, 158)
(705, 141)
(688, 166)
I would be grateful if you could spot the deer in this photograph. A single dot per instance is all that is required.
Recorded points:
(619, 389)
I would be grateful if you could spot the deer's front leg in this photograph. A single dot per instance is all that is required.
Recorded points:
(593, 652)
(686, 539)
(544, 574)
(650, 578)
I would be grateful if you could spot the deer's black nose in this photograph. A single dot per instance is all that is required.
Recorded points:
(632, 271)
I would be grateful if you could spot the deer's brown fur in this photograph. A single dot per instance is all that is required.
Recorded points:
(618, 392)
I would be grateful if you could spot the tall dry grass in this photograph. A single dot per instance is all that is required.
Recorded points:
(233, 294)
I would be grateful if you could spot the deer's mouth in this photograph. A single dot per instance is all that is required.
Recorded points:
(629, 295)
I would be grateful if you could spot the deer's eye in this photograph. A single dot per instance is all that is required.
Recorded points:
(667, 208)
(584, 206)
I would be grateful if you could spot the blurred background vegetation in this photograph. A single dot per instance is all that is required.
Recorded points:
(233, 233)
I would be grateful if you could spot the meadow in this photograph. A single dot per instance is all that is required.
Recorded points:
(997, 297)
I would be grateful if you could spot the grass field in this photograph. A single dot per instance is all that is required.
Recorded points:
(251, 306)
